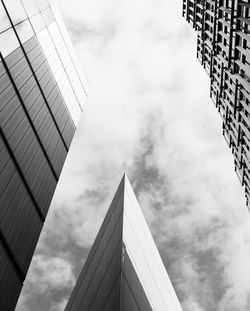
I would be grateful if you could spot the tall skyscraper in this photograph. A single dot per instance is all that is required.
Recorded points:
(42, 92)
(223, 48)
(124, 271)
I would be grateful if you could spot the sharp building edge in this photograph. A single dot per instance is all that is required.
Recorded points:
(223, 48)
(42, 94)
(124, 270)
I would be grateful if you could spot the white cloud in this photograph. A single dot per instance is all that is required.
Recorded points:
(48, 277)
(191, 304)
(49, 273)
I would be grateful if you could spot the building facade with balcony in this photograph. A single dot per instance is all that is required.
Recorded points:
(223, 48)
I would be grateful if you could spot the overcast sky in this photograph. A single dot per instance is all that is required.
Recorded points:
(148, 113)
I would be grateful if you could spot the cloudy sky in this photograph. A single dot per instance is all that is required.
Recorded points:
(148, 113)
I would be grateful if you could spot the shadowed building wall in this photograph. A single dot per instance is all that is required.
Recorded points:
(124, 270)
(42, 92)
(223, 48)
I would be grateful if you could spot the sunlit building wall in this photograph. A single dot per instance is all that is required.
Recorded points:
(223, 48)
(42, 93)
(124, 270)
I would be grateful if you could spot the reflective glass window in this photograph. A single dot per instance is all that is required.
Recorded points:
(66, 61)
(78, 88)
(4, 20)
(50, 49)
(76, 113)
(37, 22)
(48, 16)
(8, 42)
(31, 7)
(15, 10)
(24, 31)
(77, 65)
(51, 55)
(43, 4)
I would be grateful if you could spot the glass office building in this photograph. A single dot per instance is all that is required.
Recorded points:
(124, 270)
(223, 48)
(42, 92)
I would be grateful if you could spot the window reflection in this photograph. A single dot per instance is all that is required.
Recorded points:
(48, 16)
(80, 74)
(31, 7)
(37, 22)
(24, 31)
(58, 71)
(8, 42)
(15, 10)
(76, 113)
(4, 20)
(67, 63)
(43, 4)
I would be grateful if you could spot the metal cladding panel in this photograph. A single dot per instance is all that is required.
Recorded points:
(113, 301)
(22, 140)
(106, 257)
(106, 284)
(37, 123)
(145, 257)
(103, 265)
(124, 270)
(10, 283)
(58, 68)
(130, 302)
(37, 108)
(49, 87)
(133, 297)
(20, 224)
(36, 19)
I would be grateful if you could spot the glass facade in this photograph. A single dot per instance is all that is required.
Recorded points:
(124, 270)
(42, 94)
(223, 48)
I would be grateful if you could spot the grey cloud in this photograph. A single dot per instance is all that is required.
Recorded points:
(94, 196)
(203, 244)
(51, 279)
(81, 30)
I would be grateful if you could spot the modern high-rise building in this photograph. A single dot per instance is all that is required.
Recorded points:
(223, 48)
(124, 271)
(42, 92)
